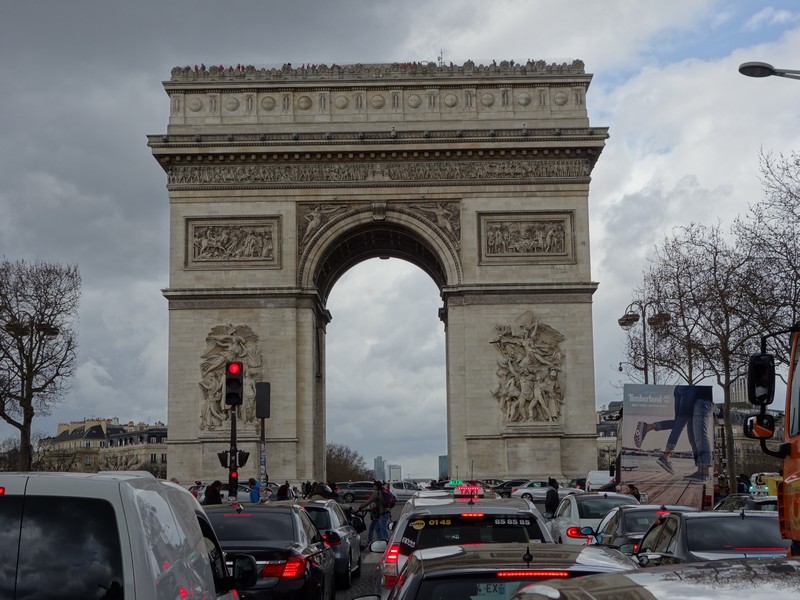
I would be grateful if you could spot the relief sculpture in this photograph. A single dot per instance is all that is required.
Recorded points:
(446, 215)
(311, 220)
(224, 344)
(232, 242)
(528, 387)
(531, 237)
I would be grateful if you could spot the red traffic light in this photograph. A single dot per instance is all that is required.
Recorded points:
(234, 368)
(234, 474)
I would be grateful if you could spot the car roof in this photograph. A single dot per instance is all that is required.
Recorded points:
(269, 506)
(589, 496)
(489, 557)
(669, 507)
(327, 503)
(451, 505)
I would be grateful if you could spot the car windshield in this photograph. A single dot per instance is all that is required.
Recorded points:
(734, 535)
(596, 507)
(449, 530)
(320, 516)
(639, 521)
(252, 525)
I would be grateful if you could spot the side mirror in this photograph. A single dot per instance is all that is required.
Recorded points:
(245, 572)
(759, 427)
(761, 379)
(378, 546)
(627, 548)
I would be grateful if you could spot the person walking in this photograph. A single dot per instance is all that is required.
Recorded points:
(551, 496)
(375, 502)
(632, 490)
(255, 490)
(214, 493)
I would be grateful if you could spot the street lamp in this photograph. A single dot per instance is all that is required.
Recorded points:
(657, 319)
(761, 69)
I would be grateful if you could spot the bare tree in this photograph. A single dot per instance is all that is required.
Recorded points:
(709, 287)
(125, 460)
(38, 307)
(344, 464)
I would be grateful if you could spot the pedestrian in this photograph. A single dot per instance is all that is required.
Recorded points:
(632, 490)
(283, 492)
(319, 493)
(551, 496)
(255, 490)
(375, 502)
(743, 484)
(214, 493)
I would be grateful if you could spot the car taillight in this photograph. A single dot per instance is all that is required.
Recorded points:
(575, 532)
(520, 574)
(389, 566)
(472, 515)
(635, 548)
(292, 568)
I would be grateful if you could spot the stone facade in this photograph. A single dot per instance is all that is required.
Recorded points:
(279, 180)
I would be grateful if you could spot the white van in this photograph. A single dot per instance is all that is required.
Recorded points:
(597, 479)
(110, 535)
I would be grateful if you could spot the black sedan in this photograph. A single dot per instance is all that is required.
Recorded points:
(624, 526)
(504, 489)
(684, 537)
(292, 558)
(491, 571)
(341, 534)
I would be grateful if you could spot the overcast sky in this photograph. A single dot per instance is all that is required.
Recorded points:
(80, 88)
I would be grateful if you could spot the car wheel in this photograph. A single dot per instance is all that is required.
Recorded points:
(345, 580)
(348, 498)
(527, 496)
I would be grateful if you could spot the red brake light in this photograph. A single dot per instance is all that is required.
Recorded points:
(389, 566)
(472, 515)
(518, 574)
(2, 491)
(575, 532)
(182, 593)
(392, 553)
(662, 513)
(292, 568)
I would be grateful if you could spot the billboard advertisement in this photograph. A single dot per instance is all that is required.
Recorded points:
(666, 441)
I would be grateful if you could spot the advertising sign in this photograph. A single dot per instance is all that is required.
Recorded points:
(666, 443)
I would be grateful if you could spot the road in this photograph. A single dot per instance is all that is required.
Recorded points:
(366, 584)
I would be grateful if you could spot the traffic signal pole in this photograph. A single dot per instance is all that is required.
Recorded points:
(234, 397)
(233, 467)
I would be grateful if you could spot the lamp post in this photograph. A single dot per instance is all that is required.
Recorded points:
(657, 318)
(761, 69)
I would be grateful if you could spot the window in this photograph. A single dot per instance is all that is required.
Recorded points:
(163, 459)
(88, 444)
(153, 458)
(82, 539)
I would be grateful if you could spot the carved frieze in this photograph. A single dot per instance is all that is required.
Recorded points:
(235, 242)
(228, 343)
(526, 238)
(529, 387)
(412, 172)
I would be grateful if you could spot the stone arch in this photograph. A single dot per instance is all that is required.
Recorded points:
(357, 236)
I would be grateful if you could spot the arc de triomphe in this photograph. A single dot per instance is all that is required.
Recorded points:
(281, 179)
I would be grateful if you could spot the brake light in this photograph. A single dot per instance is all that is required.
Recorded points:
(518, 574)
(575, 532)
(292, 568)
(662, 513)
(389, 566)
(472, 515)
(635, 548)
(2, 491)
(778, 549)
(332, 541)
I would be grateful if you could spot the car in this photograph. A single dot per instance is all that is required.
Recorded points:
(292, 558)
(682, 537)
(110, 535)
(198, 490)
(775, 579)
(747, 502)
(354, 491)
(505, 488)
(537, 493)
(495, 571)
(583, 510)
(595, 480)
(426, 522)
(342, 533)
(623, 526)
(403, 490)
(491, 483)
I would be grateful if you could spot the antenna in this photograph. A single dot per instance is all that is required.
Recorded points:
(441, 58)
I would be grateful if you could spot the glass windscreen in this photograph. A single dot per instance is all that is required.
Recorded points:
(735, 535)
(597, 508)
(253, 526)
(639, 521)
(486, 587)
(450, 530)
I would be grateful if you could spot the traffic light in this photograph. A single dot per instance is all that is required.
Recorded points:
(223, 459)
(234, 384)
(243, 456)
(233, 483)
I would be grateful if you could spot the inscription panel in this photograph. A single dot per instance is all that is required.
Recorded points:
(526, 238)
(233, 243)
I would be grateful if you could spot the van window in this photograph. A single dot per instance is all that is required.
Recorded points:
(60, 547)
